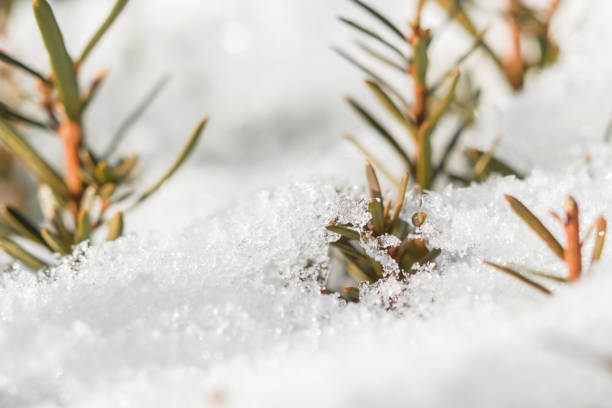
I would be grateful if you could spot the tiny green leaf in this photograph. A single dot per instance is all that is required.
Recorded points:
(125, 169)
(430, 256)
(348, 250)
(458, 62)
(42, 171)
(495, 165)
(61, 63)
(54, 242)
(544, 275)
(399, 201)
(360, 268)
(536, 225)
(133, 117)
(110, 19)
(10, 114)
(93, 89)
(348, 233)
(439, 110)
(352, 293)
(88, 198)
(5, 230)
(187, 149)
(107, 190)
(373, 184)
(376, 268)
(372, 74)
(4, 57)
(103, 172)
(608, 131)
(425, 171)
(519, 276)
(455, 10)
(411, 250)
(115, 227)
(600, 238)
(377, 55)
(378, 220)
(62, 231)
(360, 275)
(88, 161)
(424, 168)
(84, 227)
(450, 147)
(377, 164)
(21, 224)
(382, 19)
(368, 118)
(16, 251)
(391, 107)
(373, 35)
(481, 166)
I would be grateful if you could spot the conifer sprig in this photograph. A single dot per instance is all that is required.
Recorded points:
(430, 102)
(94, 190)
(385, 219)
(571, 254)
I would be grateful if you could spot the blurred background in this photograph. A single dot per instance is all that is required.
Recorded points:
(265, 73)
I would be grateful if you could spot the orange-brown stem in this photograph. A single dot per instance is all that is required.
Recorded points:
(104, 205)
(420, 93)
(513, 64)
(573, 253)
(419, 11)
(551, 10)
(386, 209)
(70, 134)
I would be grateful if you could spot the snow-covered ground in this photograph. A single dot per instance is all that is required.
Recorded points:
(211, 299)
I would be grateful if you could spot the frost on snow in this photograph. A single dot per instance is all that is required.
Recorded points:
(224, 311)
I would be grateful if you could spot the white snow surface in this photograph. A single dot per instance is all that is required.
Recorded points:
(212, 298)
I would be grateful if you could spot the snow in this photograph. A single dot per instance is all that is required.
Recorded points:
(225, 310)
(213, 297)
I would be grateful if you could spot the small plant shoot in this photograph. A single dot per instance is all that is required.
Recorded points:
(93, 190)
(385, 220)
(571, 255)
(419, 114)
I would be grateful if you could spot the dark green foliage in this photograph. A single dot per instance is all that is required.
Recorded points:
(385, 219)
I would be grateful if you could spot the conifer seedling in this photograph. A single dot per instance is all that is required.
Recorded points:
(571, 255)
(95, 189)
(408, 54)
(385, 219)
